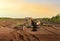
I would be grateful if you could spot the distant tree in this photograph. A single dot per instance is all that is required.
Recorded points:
(56, 19)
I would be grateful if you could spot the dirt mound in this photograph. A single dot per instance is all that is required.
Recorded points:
(7, 34)
(44, 33)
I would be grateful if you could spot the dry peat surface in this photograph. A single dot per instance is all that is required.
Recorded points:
(44, 33)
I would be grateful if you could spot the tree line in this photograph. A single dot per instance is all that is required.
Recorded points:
(54, 19)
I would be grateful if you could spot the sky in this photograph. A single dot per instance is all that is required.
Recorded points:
(29, 8)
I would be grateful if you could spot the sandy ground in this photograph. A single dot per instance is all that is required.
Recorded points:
(44, 33)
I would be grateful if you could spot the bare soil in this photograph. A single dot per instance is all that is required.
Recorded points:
(44, 33)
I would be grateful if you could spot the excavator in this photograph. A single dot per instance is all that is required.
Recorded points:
(28, 24)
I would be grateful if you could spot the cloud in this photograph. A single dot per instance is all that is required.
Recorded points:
(21, 8)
